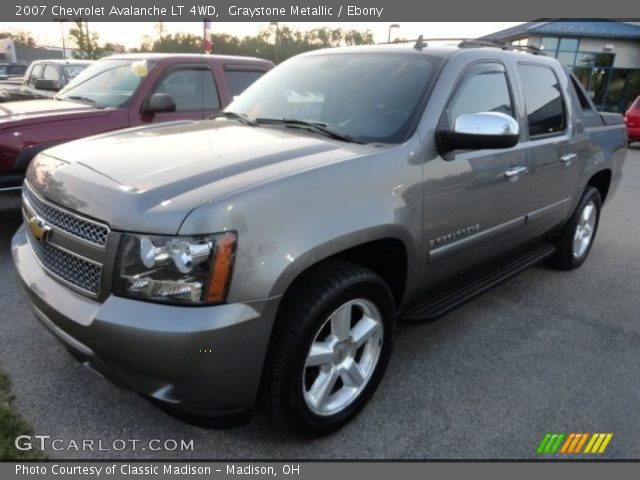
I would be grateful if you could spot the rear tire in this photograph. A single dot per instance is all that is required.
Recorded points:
(578, 234)
(330, 347)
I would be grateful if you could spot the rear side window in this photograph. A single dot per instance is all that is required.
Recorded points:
(239, 80)
(543, 100)
(582, 98)
(51, 73)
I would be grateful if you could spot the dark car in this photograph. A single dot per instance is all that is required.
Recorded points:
(8, 70)
(117, 92)
(632, 120)
(43, 79)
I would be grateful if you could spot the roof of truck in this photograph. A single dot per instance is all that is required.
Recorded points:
(437, 47)
(160, 56)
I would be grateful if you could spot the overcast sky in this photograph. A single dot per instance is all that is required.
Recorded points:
(131, 33)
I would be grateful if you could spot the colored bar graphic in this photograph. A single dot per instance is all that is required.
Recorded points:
(581, 443)
(550, 443)
(567, 444)
(598, 442)
(543, 443)
(573, 443)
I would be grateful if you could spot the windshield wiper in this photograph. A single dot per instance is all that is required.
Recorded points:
(317, 127)
(79, 98)
(234, 116)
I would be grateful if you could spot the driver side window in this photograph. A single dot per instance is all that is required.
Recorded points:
(483, 89)
(36, 74)
(192, 89)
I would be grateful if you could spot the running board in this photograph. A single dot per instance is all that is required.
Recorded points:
(444, 299)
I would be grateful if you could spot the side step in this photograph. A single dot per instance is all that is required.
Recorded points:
(444, 299)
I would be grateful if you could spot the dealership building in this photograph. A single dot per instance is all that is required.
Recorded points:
(604, 55)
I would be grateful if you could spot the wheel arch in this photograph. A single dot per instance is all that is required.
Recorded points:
(601, 181)
(388, 251)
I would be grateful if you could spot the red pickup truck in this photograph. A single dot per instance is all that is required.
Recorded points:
(117, 92)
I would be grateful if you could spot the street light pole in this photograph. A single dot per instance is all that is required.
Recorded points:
(393, 25)
(275, 56)
(64, 50)
(89, 46)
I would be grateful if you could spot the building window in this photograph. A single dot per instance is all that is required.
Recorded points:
(568, 45)
(550, 44)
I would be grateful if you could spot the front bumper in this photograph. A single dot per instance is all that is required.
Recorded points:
(204, 360)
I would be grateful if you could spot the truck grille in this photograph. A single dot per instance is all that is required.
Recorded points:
(57, 234)
(77, 271)
(88, 230)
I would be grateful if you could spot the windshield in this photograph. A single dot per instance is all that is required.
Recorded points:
(369, 97)
(107, 83)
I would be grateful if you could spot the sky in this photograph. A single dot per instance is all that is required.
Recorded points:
(130, 34)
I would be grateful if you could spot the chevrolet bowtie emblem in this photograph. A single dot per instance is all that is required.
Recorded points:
(39, 228)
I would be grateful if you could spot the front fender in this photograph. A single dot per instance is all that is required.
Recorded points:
(288, 224)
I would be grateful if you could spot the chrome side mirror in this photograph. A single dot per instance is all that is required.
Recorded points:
(483, 130)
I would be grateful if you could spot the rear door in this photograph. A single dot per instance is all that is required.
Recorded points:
(472, 210)
(239, 77)
(554, 154)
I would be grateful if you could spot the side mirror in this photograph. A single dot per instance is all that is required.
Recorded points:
(159, 103)
(476, 131)
(42, 84)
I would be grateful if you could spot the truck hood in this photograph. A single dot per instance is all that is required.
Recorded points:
(148, 179)
(40, 111)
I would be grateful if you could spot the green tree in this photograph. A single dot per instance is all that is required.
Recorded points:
(86, 43)
(20, 37)
(178, 43)
(271, 44)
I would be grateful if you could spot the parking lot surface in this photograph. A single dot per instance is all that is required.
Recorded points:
(547, 351)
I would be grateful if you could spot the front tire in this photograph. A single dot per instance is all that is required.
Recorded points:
(330, 346)
(578, 234)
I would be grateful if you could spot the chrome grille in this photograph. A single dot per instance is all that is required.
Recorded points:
(74, 270)
(88, 230)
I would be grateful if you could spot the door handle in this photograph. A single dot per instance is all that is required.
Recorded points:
(567, 157)
(514, 173)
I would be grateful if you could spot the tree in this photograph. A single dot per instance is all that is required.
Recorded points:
(86, 43)
(274, 45)
(21, 38)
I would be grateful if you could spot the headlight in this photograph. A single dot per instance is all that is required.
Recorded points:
(183, 269)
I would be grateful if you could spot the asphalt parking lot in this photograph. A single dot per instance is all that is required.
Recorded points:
(547, 351)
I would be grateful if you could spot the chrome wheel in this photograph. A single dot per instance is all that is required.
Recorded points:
(583, 234)
(343, 357)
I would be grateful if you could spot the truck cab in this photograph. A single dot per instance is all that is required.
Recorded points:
(113, 93)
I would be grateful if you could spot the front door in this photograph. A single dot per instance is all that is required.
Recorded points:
(473, 208)
(194, 91)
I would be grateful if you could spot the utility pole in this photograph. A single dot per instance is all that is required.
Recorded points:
(393, 25)
(277, 25)
(64, 50)
(89, 46)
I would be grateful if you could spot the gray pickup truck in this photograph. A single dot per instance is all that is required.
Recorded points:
(268, 252)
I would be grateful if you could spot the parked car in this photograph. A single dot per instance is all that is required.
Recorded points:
(632, 120)
(9, 70)
(43, 79)
(345, 189)
(117, 92)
